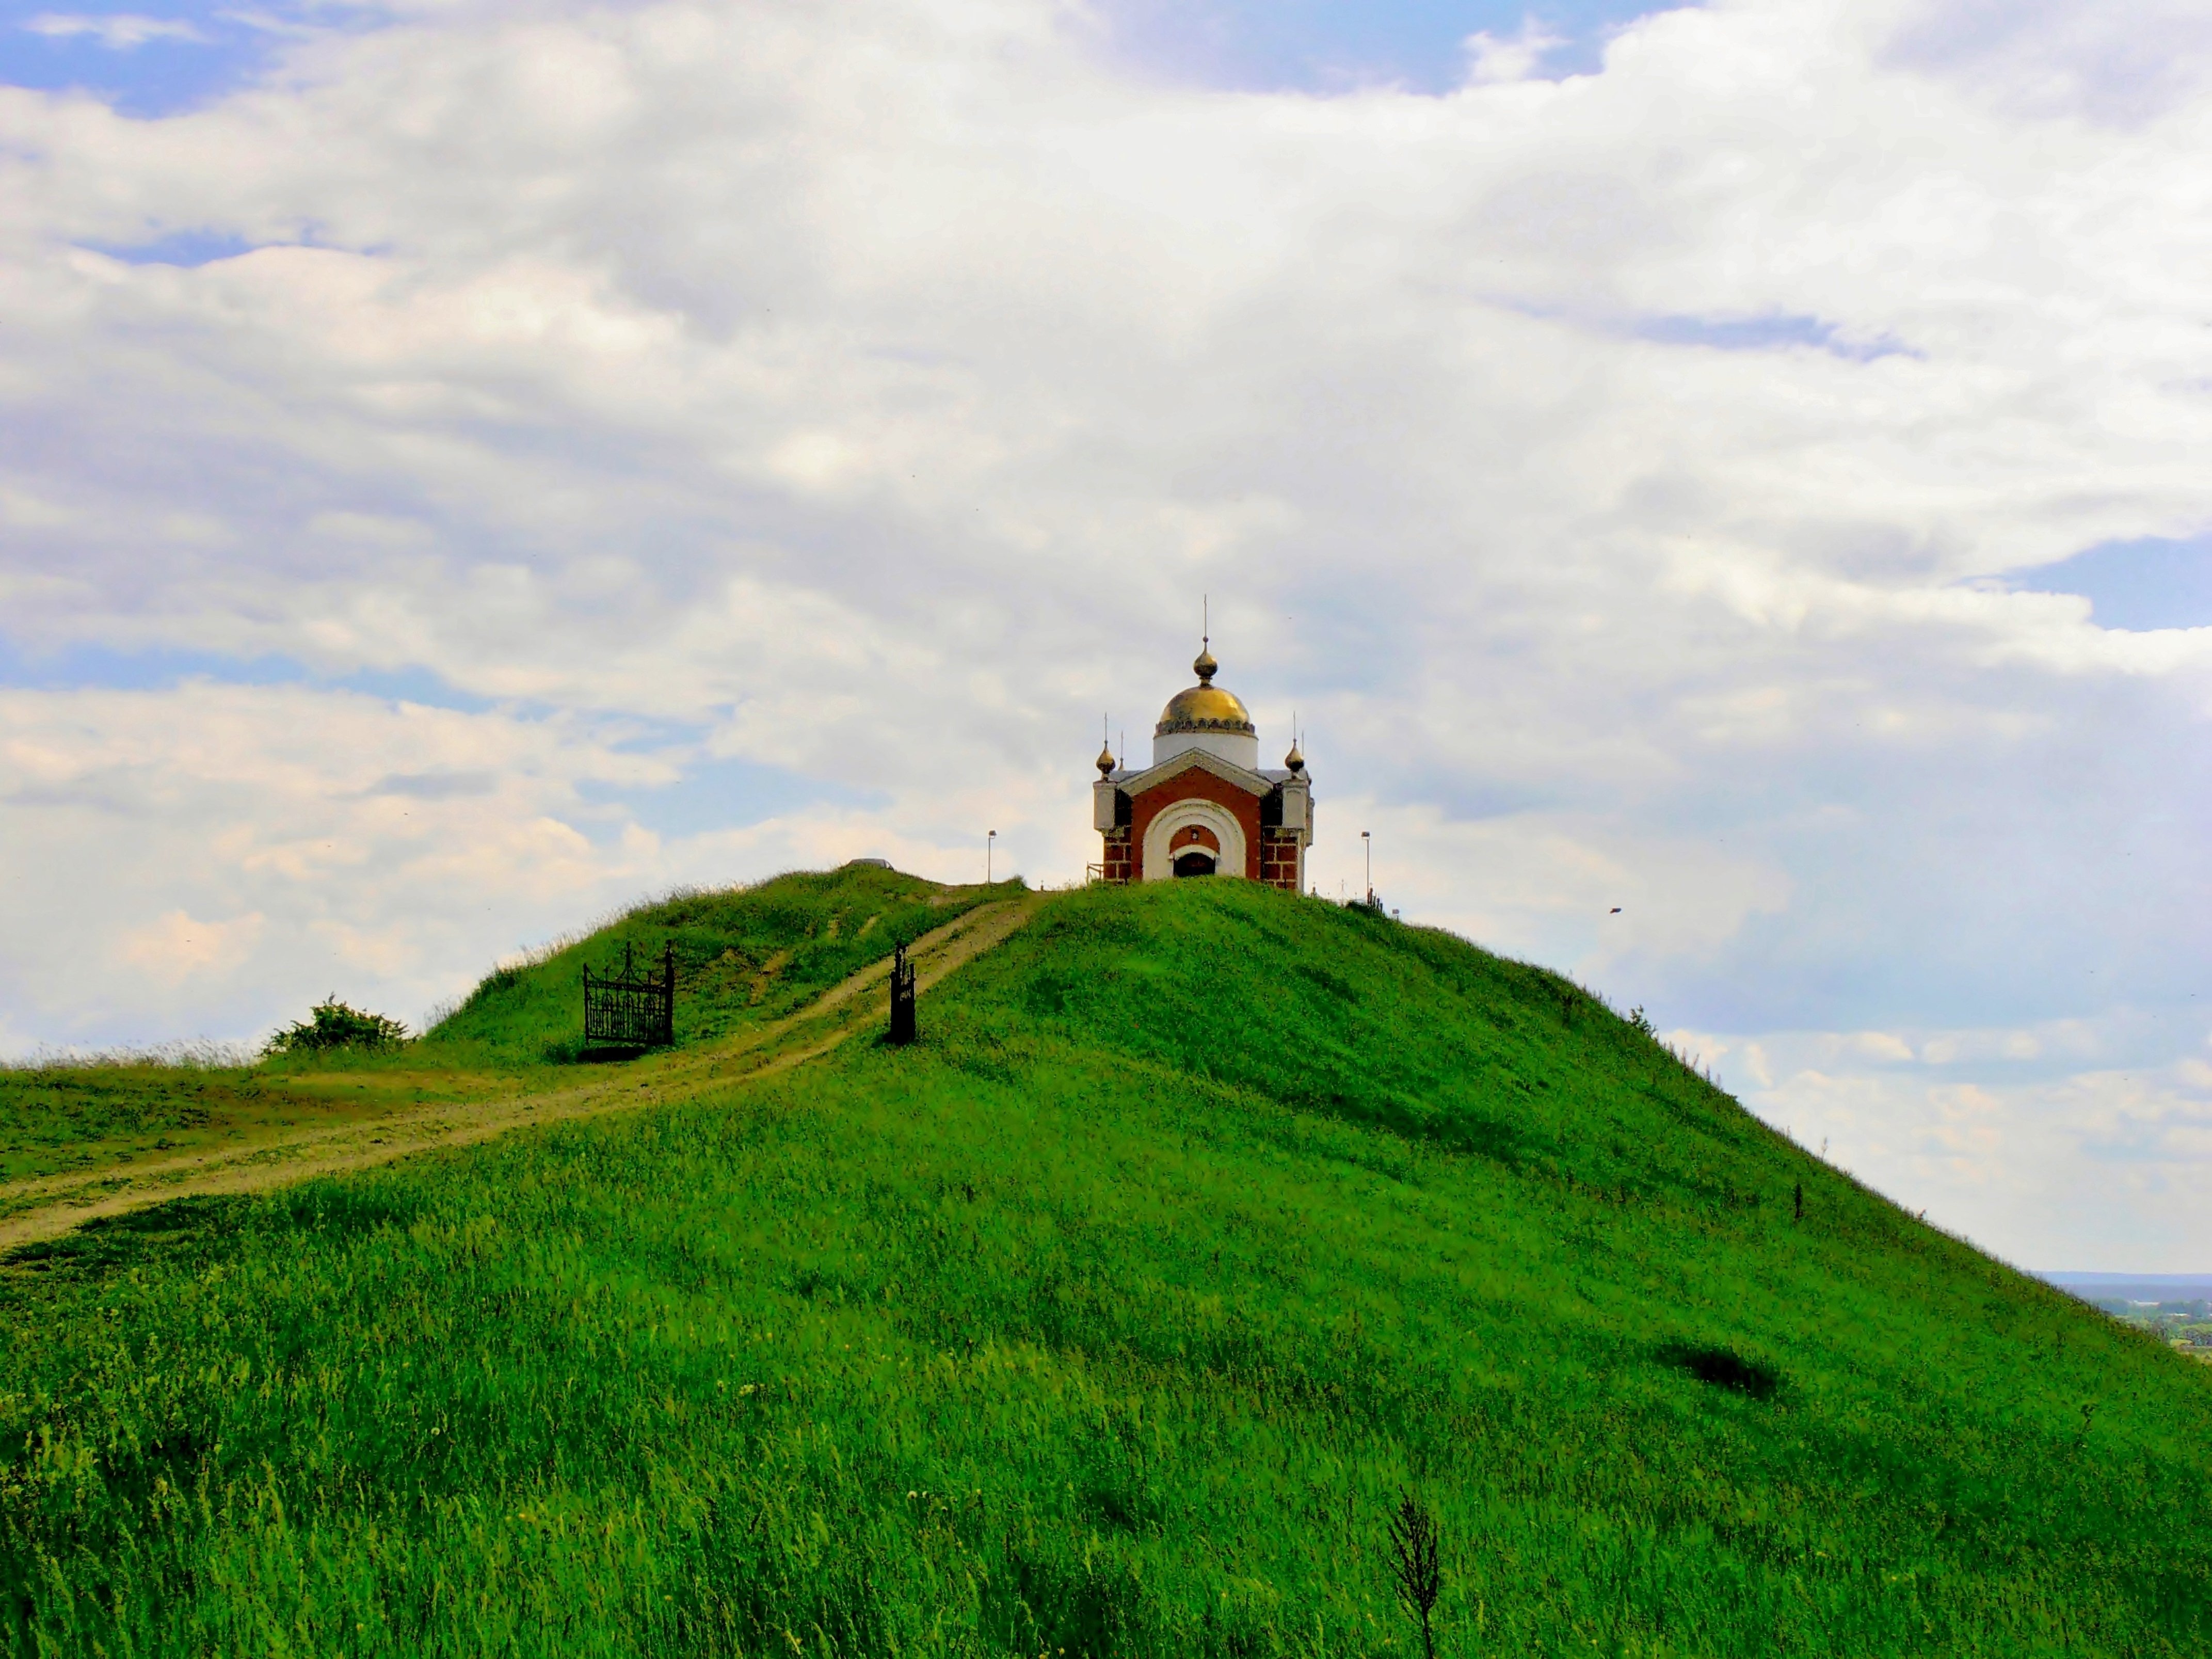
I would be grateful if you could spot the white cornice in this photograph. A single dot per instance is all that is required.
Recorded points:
(1136, 783)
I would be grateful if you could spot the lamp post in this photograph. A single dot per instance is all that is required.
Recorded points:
(1367, 846)
(990, 843)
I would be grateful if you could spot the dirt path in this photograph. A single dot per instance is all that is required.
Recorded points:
(52, 1205)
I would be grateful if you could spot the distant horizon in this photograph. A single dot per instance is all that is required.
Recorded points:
(2118, 1281)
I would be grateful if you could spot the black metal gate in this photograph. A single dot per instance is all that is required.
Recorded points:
(634, 1008)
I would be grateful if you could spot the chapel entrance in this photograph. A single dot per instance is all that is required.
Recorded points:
(1195, 850)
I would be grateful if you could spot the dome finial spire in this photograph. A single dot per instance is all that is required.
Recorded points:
(1205, 667)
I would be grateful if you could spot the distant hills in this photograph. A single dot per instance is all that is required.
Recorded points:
(2134, 1287)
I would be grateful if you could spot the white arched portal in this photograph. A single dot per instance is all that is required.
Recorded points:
(1159, 859)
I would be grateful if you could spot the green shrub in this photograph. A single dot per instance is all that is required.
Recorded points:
(335, 1025)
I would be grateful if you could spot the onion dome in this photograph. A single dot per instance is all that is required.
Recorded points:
(1206, 706)
(1295, 760)
(1105, 758)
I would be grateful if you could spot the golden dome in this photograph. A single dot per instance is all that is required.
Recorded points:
(1105, 758)
(1204, 707)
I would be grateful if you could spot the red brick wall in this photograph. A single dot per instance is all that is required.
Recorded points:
(1195, 783)
(1118, 870)
(1279, 859)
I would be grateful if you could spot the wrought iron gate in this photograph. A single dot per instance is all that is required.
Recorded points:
(632, 1008)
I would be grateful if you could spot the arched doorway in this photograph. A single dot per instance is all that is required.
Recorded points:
(1194, 825)
(1193, 863)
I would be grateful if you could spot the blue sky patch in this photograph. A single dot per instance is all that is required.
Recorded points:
(725, 794)
(1333, 46)
(153, 57)
(2139, 586)
(1762, 333)
(147, 57)
(99, 667)
(413, 684)
(188, 248)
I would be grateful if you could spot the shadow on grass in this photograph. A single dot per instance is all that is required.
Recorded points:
(193, 1232)
(1724, 1368)
(186, 1231)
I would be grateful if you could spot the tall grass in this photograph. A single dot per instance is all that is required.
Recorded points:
(1115, 1317)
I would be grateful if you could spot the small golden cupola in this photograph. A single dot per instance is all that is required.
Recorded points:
(1205, 716)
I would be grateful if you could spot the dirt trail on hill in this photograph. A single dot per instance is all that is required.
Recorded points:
(59, 1203)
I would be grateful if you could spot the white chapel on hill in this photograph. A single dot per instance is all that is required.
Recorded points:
(1205, 806)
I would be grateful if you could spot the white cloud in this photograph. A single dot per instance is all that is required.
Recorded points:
(1610, 472)
(2090, 1170)
(117, 31)
(1492, 60)
(2061, 58)
(178, 947)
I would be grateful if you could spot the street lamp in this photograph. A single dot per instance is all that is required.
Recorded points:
(1367, 846)
(990, 841)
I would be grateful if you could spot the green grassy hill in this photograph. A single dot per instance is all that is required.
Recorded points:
(1204, 1223)
(743, 955)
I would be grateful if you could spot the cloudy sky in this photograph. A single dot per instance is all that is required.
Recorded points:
(466, 466)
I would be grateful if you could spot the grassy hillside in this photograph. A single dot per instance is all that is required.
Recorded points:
(56, 1119)
(1205, 1222)
(744, 955)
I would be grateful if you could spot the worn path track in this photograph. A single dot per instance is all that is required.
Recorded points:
(57, 1203)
